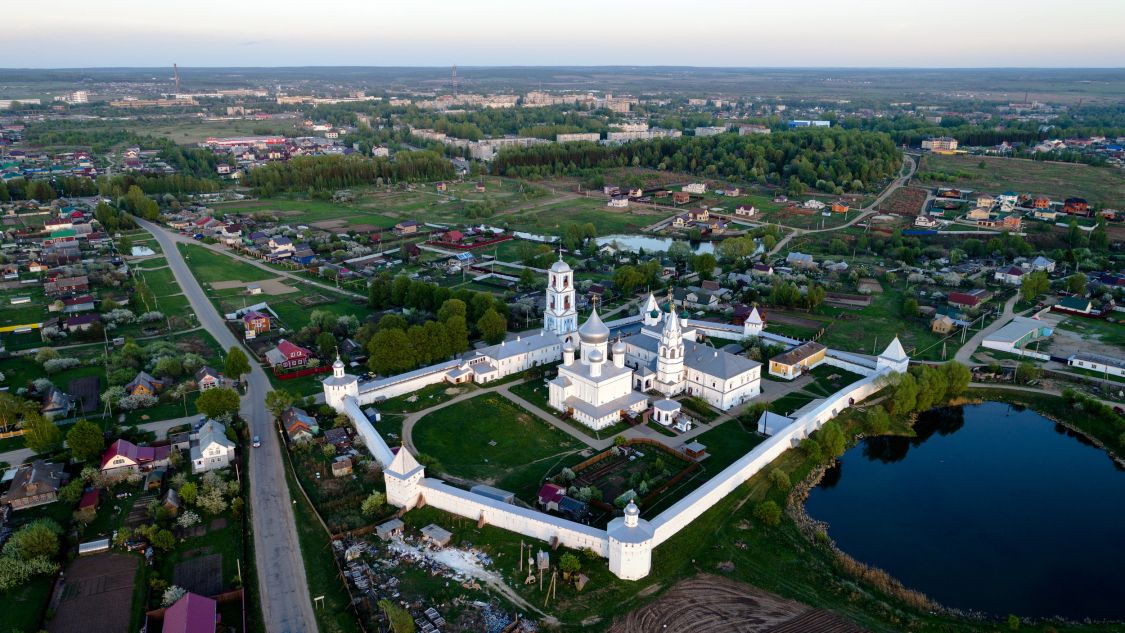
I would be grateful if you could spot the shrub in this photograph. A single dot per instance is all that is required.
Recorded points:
(768, 513)
(55, 365)
(780, 479)
(811, 449)
(188, 519)
(171, 595)
(136, 401)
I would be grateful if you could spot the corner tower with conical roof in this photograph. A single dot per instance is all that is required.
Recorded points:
(403, 478)
(893, 358)
(561, 314)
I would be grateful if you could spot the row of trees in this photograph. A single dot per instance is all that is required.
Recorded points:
(842, 160)
(387, 292)
(336, 172)
(397, 347)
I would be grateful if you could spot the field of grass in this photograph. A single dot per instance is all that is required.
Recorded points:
(489, 439)
(299, 211)
(208, 266)
(1102, 186)
(553, 218)
(191, 131)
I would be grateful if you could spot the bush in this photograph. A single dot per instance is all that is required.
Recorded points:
(373, 504)
(37, 539)
(832, 438)
(188, 519)
(768, 513)
(55, 365)
(780, 479)
(136, 401)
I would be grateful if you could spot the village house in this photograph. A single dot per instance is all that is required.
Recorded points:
(299, 425)
(281, 247)
(211, 449)
(839, 207)
(680, 197)
(697, 188)
(208, 378)
(143, 385)
(63, 285)
(968, 299)
(35, 484)
(288, 355)
(943, 325)
(192, 613)
(406, 227)
(255, 323)
(745, 211)
(798, 360)
(1076, 206)
(1013, 275)
(123, 457)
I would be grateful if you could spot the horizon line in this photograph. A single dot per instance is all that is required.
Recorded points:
(548, 66)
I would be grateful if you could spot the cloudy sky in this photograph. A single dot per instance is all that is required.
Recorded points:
(898, 33)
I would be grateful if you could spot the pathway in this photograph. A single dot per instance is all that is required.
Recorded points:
(282, 585)
(964, 354)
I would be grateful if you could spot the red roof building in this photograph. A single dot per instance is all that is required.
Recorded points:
(191, 614)
(550, 495)
(89, 500)
(125, 455)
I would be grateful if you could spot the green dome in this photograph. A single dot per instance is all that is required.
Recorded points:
(654, 314)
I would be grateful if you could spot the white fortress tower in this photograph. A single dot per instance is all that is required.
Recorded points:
(651, 314)
(630, 545)
(403, 479)
(893, 358)
(754, 324)
(340, 386)
(670, 357)
(561, 314)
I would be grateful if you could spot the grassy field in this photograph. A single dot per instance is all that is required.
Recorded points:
(489, 439)
(309, 211)
(1102, 186)
(208, 266)
(552, 219)
(191, 131)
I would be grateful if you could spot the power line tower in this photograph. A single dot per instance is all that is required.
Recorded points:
(453, 79)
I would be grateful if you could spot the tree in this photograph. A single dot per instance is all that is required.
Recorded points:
(811, 449)
(218, 403)
(704, 264)
(373, 504)
(569, 564)
(1027, 372)
(390, 352)
(910, 307)
(877, 421)
(278, 400)
(399, 618)
(1076, 283)
(1034, 284)
(172, 595)
(40, 538)
(42, 434)
(904, 399)
(189, 492)
(768, 512)
(492, 326)
(15, 572)
(957, 379)
(780, 479)
(457, 333)
(1099, 240)
(45, 354)
(832, 439)
(86, 441)
(451, 308)
(236, 363)
(679, 252)
(163, 540)
(326, 344)
(13, 409)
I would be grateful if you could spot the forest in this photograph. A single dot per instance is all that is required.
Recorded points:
(828, 160)
(325, 173)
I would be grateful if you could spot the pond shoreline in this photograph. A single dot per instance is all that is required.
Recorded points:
(815, 531)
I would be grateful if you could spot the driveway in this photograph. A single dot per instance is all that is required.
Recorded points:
(964, 354)
(286, 605)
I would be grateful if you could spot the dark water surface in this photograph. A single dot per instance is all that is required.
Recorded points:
(991, 508)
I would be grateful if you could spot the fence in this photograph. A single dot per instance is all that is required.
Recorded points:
(308, 371)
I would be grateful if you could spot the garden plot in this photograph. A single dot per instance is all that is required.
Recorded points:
(97, 596)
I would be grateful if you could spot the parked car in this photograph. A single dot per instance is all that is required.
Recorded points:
(256, 442)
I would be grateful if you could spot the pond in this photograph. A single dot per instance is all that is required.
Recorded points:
(629, 242)
(991, 508)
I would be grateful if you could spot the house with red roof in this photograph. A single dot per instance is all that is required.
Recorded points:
(192, 613)
(288, 355)
(1013, 275)
(124, 456)
(550, 495)
(89, 500)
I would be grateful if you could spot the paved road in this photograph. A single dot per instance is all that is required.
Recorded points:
(21, 455)
(171, 238)
(286, 605)
(964, 354)
(869, 210)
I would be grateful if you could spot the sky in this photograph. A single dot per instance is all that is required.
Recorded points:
(750, 33)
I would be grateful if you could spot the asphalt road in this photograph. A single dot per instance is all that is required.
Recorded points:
(284, 591)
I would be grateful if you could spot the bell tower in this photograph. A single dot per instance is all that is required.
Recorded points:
(561, 314)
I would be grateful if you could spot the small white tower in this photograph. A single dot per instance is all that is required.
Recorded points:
(670, 357)
(403, 478)
(339, 386)
(619, 354)
(630, 545)
(561, 313)
(754, 324)
(651, 312)
(893, 358)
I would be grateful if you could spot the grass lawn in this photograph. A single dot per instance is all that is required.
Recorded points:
(1102, 186)
(297, 211)
(424, 398)
(535, 392)
(489, 438)
(24, 607)
(208, 266)
(551, 219)
(878, 324)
